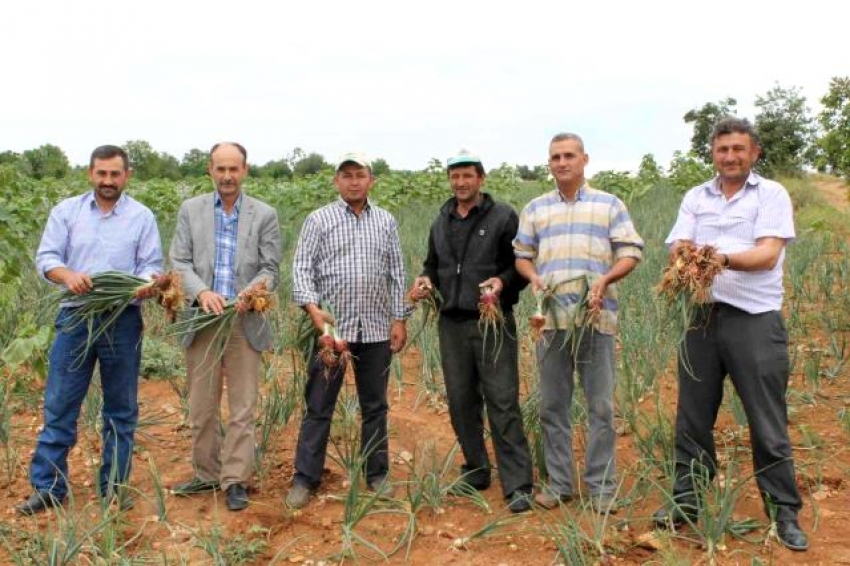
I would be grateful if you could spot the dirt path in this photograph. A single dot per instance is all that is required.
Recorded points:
(836, 191)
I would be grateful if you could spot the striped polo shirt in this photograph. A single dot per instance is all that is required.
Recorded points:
(574, 242)
(762, 208)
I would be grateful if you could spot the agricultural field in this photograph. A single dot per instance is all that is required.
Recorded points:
(424, 524)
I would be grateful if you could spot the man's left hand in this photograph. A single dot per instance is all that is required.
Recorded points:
(398, 336)
(597, 293)
(495, 285)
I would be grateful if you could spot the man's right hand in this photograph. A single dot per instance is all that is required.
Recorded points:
(75, 281)
(538, 285)
(319, 317)
(421, 289)
(210, 301)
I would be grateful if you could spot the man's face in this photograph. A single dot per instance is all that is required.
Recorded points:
(227, 169)
(566, 162)
(465, 183)
(353, 182)
(108, 178)
(734, 155)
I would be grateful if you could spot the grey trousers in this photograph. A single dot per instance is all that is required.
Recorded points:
(475, 377)
(593, 360)
(753, 350)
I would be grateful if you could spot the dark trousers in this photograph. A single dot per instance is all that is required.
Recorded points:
(753, 351)
(119, 353)
(371, 363)
(479, 374)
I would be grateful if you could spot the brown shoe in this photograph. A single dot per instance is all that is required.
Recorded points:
(549, 500)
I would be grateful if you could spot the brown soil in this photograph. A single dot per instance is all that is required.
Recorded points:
(834, 190)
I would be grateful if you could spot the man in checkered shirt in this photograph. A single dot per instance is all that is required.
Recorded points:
(348, 260)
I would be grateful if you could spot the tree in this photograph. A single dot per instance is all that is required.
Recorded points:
(785, 131)
(309, 165)
(276, 169)
(149, 164)
(380, 166)
(536, 173)
(649, 172)
(46, 161)
(194, 163)
(833, 147)
(704, 120)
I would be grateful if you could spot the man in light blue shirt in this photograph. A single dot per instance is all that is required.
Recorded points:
(101, 230)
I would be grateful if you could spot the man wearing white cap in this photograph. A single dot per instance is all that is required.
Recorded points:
(348, 257)
(470, 249)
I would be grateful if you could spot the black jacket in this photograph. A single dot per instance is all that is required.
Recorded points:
(487, 252)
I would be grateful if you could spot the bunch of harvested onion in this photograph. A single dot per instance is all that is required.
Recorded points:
(256, 298)
(491, 321)
(333, 350)
(690, 271)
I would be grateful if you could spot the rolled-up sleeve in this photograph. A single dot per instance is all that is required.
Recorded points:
(54, 243)
(149, 252)
(776, 213)
(526, 242)
(625, 240)
(396, 275)
(304, 289)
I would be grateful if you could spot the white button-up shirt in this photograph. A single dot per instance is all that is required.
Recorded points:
(762, 208)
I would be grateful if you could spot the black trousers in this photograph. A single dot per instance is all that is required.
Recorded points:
(371, 363)
(478, 374)
(752, 349)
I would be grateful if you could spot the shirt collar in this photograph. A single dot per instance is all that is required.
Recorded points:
(119, 204)
(713, 186)
(344, 205)
(580, 194)
(236, 205)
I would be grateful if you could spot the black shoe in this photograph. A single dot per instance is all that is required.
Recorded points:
(38, 502)
(675, 516)
(520, 502)
(791, 535)
(236, 497)
(194, 486)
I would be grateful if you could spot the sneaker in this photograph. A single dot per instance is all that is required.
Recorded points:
(194, 486)
(549, 500)
(520, 502)
(298, 496)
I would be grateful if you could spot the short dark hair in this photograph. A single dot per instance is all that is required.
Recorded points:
(479, 168)
(108, 152)
(238, 146)
(733, 125)
(567, 136)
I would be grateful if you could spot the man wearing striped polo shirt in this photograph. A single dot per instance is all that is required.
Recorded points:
(576, 242)
(749, 219)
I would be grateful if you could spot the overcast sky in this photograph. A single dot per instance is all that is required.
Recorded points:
(406, 81)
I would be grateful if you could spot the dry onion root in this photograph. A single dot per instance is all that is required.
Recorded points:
(491, 321)
(169, 293)
(538, 320)
(691, 271)
(256, 298)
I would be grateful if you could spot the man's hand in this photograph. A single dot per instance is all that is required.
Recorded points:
(496, 285)
(149, 290)
(538, 285)
(210, 301)
(398, 336)
(319, 317)
(75, 281)
(597, 293)
(422, 288)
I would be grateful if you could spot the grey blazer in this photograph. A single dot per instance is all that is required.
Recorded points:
(258, 250)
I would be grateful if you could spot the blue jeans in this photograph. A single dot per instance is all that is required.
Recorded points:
(119, 353)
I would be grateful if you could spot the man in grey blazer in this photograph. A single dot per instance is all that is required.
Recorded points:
(224, 243)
